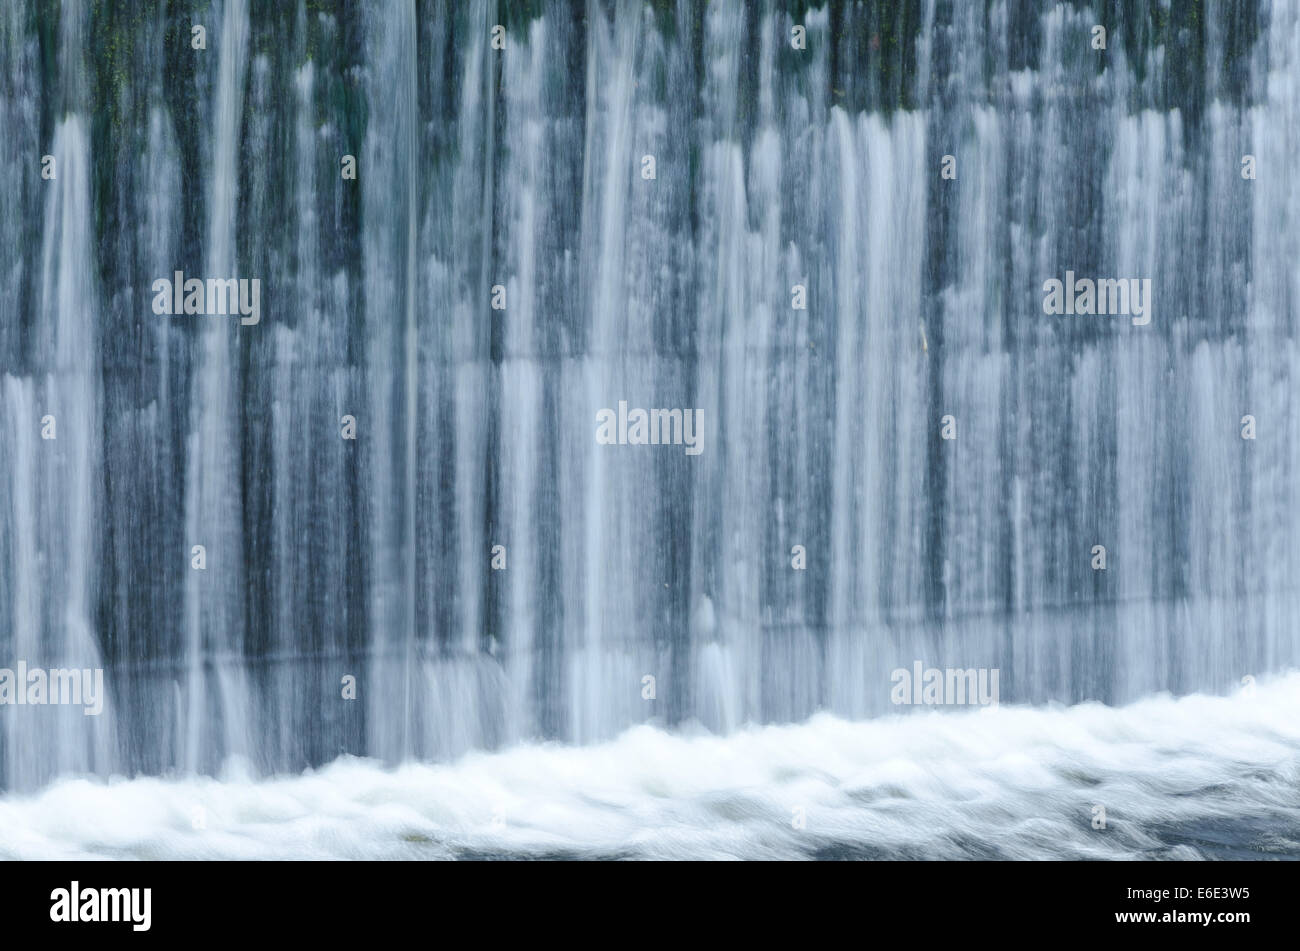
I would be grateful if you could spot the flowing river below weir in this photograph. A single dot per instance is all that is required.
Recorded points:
(1193, 778)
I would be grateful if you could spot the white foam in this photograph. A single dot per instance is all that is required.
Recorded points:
(1193, 777)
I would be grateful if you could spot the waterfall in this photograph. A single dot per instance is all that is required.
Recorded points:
(50, 494)
(413, 543)
(216, 680)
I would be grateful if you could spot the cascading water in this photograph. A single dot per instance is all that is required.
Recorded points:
(51, 524)
(216, 694)
(609, 203)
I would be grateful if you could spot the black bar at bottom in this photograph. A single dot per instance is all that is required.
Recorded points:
(650, 902)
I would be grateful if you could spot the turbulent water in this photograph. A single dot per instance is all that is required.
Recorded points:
(826, 532)
(1198, 777)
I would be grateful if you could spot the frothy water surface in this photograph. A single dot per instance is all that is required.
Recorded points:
(1187, 778)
